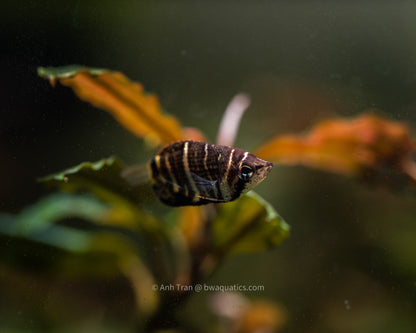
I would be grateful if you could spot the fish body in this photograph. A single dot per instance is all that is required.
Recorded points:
(197, 173)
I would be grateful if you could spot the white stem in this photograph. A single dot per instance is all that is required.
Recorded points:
(410, 168)
(230, 121)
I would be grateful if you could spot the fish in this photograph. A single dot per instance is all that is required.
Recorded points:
(192, 173)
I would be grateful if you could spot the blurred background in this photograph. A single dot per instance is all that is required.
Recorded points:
(350, 262)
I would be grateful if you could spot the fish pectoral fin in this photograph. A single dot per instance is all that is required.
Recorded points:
(211, 199)
(202, 183)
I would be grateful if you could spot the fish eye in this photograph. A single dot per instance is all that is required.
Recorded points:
(246, 172)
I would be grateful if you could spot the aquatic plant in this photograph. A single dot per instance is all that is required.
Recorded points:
(168, 253)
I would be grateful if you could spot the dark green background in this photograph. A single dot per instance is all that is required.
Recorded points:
(300, 62)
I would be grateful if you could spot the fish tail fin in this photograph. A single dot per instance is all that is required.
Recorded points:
(137, 174)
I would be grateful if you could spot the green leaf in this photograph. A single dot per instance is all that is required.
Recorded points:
(57, 207)
(104, 180)
(53, 73)
(105, 173)
(248, 224)
(37, 222)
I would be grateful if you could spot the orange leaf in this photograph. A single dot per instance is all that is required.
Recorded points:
(192, 133)
(191, 220)
(351, 147)
(127, 101)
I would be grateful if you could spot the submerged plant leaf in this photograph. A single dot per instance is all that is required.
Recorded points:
(105, 173)
(127, 101)
(191, 221)
(66, 238)
(355, 147)
(103, 179)
(40, 222)
(47, 220)
(248, 224)
(37, 222)
(55, 73)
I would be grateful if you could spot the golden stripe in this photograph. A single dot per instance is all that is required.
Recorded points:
(206, 157)
(225, 187)
(209, 176)
(188, 172)
(171, 175)
(244, 157)
(157, 160)
(157, 163)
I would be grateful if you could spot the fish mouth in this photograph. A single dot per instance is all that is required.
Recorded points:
(267, 167)
(264, 170)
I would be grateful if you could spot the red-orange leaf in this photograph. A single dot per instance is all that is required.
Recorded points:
(127, 101)
(347, 146)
